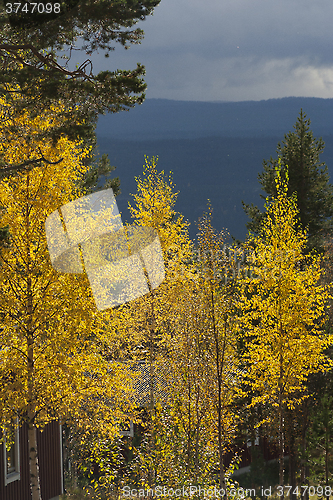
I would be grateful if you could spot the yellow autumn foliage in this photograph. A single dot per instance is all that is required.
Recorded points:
(53, 340)
(283, 307)
(177, 328)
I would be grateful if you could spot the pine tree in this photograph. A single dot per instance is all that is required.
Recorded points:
(299, 152)
(39, 52)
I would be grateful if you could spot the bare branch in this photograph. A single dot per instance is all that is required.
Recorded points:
(49, 61)
(25, 164)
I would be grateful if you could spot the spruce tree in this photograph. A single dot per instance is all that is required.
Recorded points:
(308, 178)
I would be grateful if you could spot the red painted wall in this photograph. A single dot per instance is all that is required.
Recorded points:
(49, 462)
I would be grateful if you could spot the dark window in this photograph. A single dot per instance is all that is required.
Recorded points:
(11, 448)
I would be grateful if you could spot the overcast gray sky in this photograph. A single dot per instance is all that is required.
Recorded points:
(234, 50)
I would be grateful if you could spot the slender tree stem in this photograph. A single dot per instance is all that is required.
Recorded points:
(32, 433)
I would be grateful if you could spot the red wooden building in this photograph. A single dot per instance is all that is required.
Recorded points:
(14, 465)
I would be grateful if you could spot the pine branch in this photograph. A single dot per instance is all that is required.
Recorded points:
(48, 61)
(23, 165)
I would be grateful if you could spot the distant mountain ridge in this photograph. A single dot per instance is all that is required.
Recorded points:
(167, 119)
(214, 150)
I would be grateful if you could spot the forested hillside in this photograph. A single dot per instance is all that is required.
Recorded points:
(214, 150)
(162, 118)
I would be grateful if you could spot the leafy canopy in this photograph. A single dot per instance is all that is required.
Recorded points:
(283, 305)
(55, 350)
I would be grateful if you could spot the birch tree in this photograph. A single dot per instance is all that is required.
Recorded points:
(283, 306)
(178, 340)
(53, 342)
(219, 302)
(154, 206)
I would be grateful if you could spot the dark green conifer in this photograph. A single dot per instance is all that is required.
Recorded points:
(308, 178)
(45, 58)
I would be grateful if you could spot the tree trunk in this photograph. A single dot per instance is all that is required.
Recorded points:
(221, 475)
(151, 413)
(32, 432)
(33, 463)
(304, 468)
(281, 447)
(197, 435)
(219, 369)
(189, 415)
(281, 429)
(151, 472)
(292, 454)
(327, 451)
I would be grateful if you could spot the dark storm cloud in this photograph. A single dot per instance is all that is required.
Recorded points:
(235, 49)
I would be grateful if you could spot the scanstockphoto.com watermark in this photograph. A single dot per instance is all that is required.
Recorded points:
(227, 264)
(231, 493)
(187, 492)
